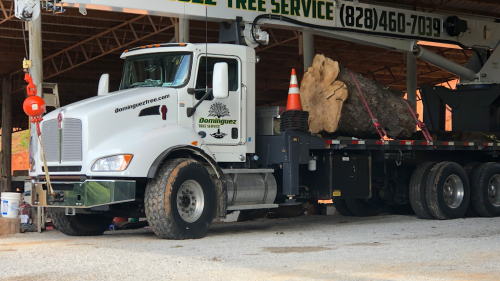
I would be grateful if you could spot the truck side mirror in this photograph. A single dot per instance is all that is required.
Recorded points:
(103, 88)
(220, 81)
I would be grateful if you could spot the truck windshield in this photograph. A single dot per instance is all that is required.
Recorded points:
(156, 70)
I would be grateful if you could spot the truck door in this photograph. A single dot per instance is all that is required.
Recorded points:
(218, 121)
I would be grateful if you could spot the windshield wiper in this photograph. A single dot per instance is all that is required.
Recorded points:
(147, 83)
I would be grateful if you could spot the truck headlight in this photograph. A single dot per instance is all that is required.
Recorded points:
(112, 163)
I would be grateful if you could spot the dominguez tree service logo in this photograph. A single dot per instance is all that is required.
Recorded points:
(217, 110)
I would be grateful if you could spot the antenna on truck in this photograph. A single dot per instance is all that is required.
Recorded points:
(206, 48)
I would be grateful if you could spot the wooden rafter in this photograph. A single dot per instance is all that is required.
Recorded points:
(68, 58)
(8, 15)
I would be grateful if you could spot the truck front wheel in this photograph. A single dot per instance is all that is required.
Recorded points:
(80, 224)
(180, 201)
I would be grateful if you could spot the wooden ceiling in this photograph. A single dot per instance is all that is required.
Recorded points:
(77, 49)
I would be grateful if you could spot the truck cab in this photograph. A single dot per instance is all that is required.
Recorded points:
(102, 153)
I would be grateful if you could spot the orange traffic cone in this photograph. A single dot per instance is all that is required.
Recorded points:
(293, 102)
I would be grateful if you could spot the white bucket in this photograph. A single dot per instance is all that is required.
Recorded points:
(10, 204)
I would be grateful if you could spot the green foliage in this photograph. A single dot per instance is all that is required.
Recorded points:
(23, 141)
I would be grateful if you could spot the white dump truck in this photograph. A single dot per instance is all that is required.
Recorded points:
(182, 143)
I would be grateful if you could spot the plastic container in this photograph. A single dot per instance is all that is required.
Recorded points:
(10, 204)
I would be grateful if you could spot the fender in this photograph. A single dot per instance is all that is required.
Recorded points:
(198, 151)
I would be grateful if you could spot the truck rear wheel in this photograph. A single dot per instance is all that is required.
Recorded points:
(417, 190)
(366, 207)
(180, 201)
(485, 190)
(80, 224)
(470, 169)
(341, 207)
(447, 191)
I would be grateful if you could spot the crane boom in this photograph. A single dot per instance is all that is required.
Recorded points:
(337, 16)
(373, 25)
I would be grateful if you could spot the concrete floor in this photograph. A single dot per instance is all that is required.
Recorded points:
(303, 248)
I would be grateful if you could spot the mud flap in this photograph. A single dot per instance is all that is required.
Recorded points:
(221, 195)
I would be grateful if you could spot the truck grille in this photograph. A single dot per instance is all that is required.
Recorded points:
(71, 140)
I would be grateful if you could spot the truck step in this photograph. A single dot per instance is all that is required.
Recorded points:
(252, 207)
(247, 171)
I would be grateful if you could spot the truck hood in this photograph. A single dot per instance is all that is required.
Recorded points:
(118, 99)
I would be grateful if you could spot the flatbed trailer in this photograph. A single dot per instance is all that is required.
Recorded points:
(384, 172)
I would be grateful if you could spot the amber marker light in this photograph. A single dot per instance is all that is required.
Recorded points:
(125, 162)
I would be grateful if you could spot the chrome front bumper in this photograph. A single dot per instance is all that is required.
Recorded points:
(87, 194)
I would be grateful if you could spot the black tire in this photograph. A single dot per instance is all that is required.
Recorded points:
(80, 224)
(341, 207)
(470, 169)
(440, 176)
(366, 207)
(162, 205)
(417, 190)
(403, 210)
(481, 181)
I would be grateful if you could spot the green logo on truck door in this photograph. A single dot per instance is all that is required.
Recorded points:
(217, 110)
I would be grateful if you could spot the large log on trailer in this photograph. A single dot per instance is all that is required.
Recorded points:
(336, 108)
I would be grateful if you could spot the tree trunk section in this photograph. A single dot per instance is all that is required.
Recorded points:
(336, 107)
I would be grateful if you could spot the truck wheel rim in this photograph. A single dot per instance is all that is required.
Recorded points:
(494, 190)
(453, 191)
(190, 201)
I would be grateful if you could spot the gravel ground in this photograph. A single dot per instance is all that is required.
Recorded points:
(303, 248)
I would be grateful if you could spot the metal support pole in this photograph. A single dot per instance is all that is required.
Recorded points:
(183, 29)
(36, 71)
(307, 48)
(411, 80)
(6, 135)
(35, 42)
(38, 220)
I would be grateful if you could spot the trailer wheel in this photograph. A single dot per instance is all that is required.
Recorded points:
(366, 207)
(470, 169)
(447, 191)
(485, 190)
(417, 190)
(180, 201)
(341, 207)
(80, 224)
